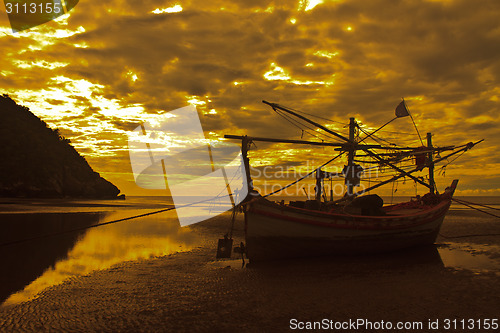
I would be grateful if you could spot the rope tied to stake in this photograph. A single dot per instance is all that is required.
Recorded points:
(469, 204)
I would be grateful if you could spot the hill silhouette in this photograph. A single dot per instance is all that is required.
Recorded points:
(37, 161)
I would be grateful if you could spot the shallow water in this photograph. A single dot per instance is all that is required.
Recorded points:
(473, 257)
(32, 266)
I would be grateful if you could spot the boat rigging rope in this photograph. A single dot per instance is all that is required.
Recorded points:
(298, 124)
(104, 223)
(313, 115)
(375, 137)
(453, 160)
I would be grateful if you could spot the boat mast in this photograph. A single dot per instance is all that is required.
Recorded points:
(319, 184)
(245, 145)
(432, 183)
(350, 158)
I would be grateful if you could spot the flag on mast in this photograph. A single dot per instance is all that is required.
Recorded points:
(401, 110)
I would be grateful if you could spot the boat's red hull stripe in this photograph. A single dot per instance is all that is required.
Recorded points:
(330, 214)
(375, 224)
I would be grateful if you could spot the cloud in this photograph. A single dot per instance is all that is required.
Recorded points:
(340, 59)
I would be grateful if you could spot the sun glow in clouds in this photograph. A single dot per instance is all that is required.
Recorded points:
(326, 54)
(56, 101)
(174, 9)
(131, 76)
(39, 64)
(276, 73)
(194, 100)
(46, 33)
(307, 5)
(279, 74)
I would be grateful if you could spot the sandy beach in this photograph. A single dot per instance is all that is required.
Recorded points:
(192, 292)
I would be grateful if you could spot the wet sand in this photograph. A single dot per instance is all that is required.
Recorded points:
(192, 292)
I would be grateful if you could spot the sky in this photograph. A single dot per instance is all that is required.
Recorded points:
(101, 70)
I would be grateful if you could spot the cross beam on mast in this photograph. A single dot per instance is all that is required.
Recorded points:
(343, 146)
(305, 142)
(412, 152)
(352, 146)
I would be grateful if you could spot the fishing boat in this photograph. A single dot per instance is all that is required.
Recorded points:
(358, 222)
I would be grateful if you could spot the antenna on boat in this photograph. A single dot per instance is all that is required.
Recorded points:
(307, 194)
(413, 121)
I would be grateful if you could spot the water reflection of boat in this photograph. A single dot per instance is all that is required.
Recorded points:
(39, 250)
(415, 257)
(354, 223)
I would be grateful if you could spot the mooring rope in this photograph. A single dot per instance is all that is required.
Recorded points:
(478, 209)
(471, 235)
(104, 223)
(473, 203)
(469, 204)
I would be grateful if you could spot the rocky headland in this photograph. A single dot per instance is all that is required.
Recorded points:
(38, 162)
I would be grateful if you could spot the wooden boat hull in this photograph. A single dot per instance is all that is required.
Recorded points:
(276, 231)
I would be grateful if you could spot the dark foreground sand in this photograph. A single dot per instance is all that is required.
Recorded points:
(191, 292)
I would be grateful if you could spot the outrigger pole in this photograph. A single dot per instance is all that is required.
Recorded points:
(314, 143)
(351, 146)
(305, 142)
